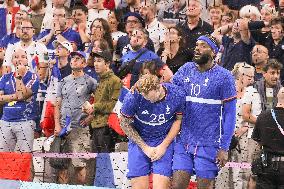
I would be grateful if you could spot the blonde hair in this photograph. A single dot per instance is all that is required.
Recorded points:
(147, 83)
(271, 9)
(240, 68)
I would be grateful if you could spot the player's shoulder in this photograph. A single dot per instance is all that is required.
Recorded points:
(223, 73)
(186, 67)
(176, 92)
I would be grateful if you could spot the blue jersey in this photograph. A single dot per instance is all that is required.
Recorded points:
(205, 94)
(16, 111)
(154, 120)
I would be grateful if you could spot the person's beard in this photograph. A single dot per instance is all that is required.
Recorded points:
(202, 59)
(136, 47)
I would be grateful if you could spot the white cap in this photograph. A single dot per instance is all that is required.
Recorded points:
(65, 44)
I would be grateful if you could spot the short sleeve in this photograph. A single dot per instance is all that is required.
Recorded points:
(248, 96)
(228, 90)
(129, 106)
(31, 81)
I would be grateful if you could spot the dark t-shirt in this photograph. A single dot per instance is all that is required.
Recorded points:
(267, 132)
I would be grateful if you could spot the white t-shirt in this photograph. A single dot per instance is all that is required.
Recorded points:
(34, 49)
(156, 33)
(252, 97)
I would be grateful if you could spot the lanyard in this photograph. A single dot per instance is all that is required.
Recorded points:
(278, 125)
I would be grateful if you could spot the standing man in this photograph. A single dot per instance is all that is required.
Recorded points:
(18, 91)
(151, 118)
(269, 133)
(209, 120)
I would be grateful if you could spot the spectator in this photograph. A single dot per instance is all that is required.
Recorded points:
(268, 132)
(100, 30)
(105, 99)
(268, 12)
(132, 21)
(173, 13)
(8, 11)
(80, 13)
(250, 12)
(115, 27)
(60, 31)
(40, 19)
(237, 177)
(18, 94)
(193, 27)
(132, 6)
(36, 51)
(173, 51)
(155, 28)
(62, 52)
(138, 41)
(237, 47)
(96, 10)
(14, 37)
(73, 91)
(259, 59)
(281, 8)
(215, 12)
(257, 98)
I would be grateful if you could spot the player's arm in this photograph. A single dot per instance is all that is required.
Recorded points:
(161, 149)
(247, 116)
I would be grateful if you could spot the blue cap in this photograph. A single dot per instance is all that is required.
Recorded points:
(135, 14)
(80, 53)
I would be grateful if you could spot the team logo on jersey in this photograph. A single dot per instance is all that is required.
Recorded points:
(206, 81)
(168, 110)
(145, 112)
(187, 80)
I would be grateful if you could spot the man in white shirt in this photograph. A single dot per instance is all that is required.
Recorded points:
(260, 97)
(155, 28)
(36, 51)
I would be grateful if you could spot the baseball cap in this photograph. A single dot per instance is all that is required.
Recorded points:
(80, 53)
(104, 54)
(137, 15)
(65, 44)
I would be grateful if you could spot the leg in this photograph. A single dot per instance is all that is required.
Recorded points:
(63, 177)
(180, 180)
(161, 182)
(7, 137)
(205, 183)
(140, 182)
(24, 132)
(81, 173)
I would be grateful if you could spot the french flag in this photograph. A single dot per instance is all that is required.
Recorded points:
(114, 117)
(47, 116)
(35, 62)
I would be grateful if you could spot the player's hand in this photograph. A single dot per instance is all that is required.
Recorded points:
(159, 152)
(57, 129)
(149, 151)
(240, 131)
(222, 158)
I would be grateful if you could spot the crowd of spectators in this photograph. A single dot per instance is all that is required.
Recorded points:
(94, 39)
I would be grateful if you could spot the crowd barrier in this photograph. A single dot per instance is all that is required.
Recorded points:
(110, 169)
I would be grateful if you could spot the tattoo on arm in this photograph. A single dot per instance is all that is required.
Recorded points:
(125, 124)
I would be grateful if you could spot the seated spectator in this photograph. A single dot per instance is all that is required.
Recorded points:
(155, 28)
(40, 19)
(173, 13)
(14, 37)
(215, 13)
(194, 27)
(237, 47)
(132, 21)
(8, 11)
(60, 31)
(36, 51)
(259, 58)
(18, 92)
(173, 51)
(100, 30)
(80, 13)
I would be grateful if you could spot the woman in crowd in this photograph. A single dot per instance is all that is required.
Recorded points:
(215, 13)
(268, 12)
(237, 178)
(173, 51)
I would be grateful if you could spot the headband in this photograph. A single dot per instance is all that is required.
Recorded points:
(210, 42)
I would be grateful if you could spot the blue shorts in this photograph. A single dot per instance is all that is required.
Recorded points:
(199, 160)
(140, 165)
